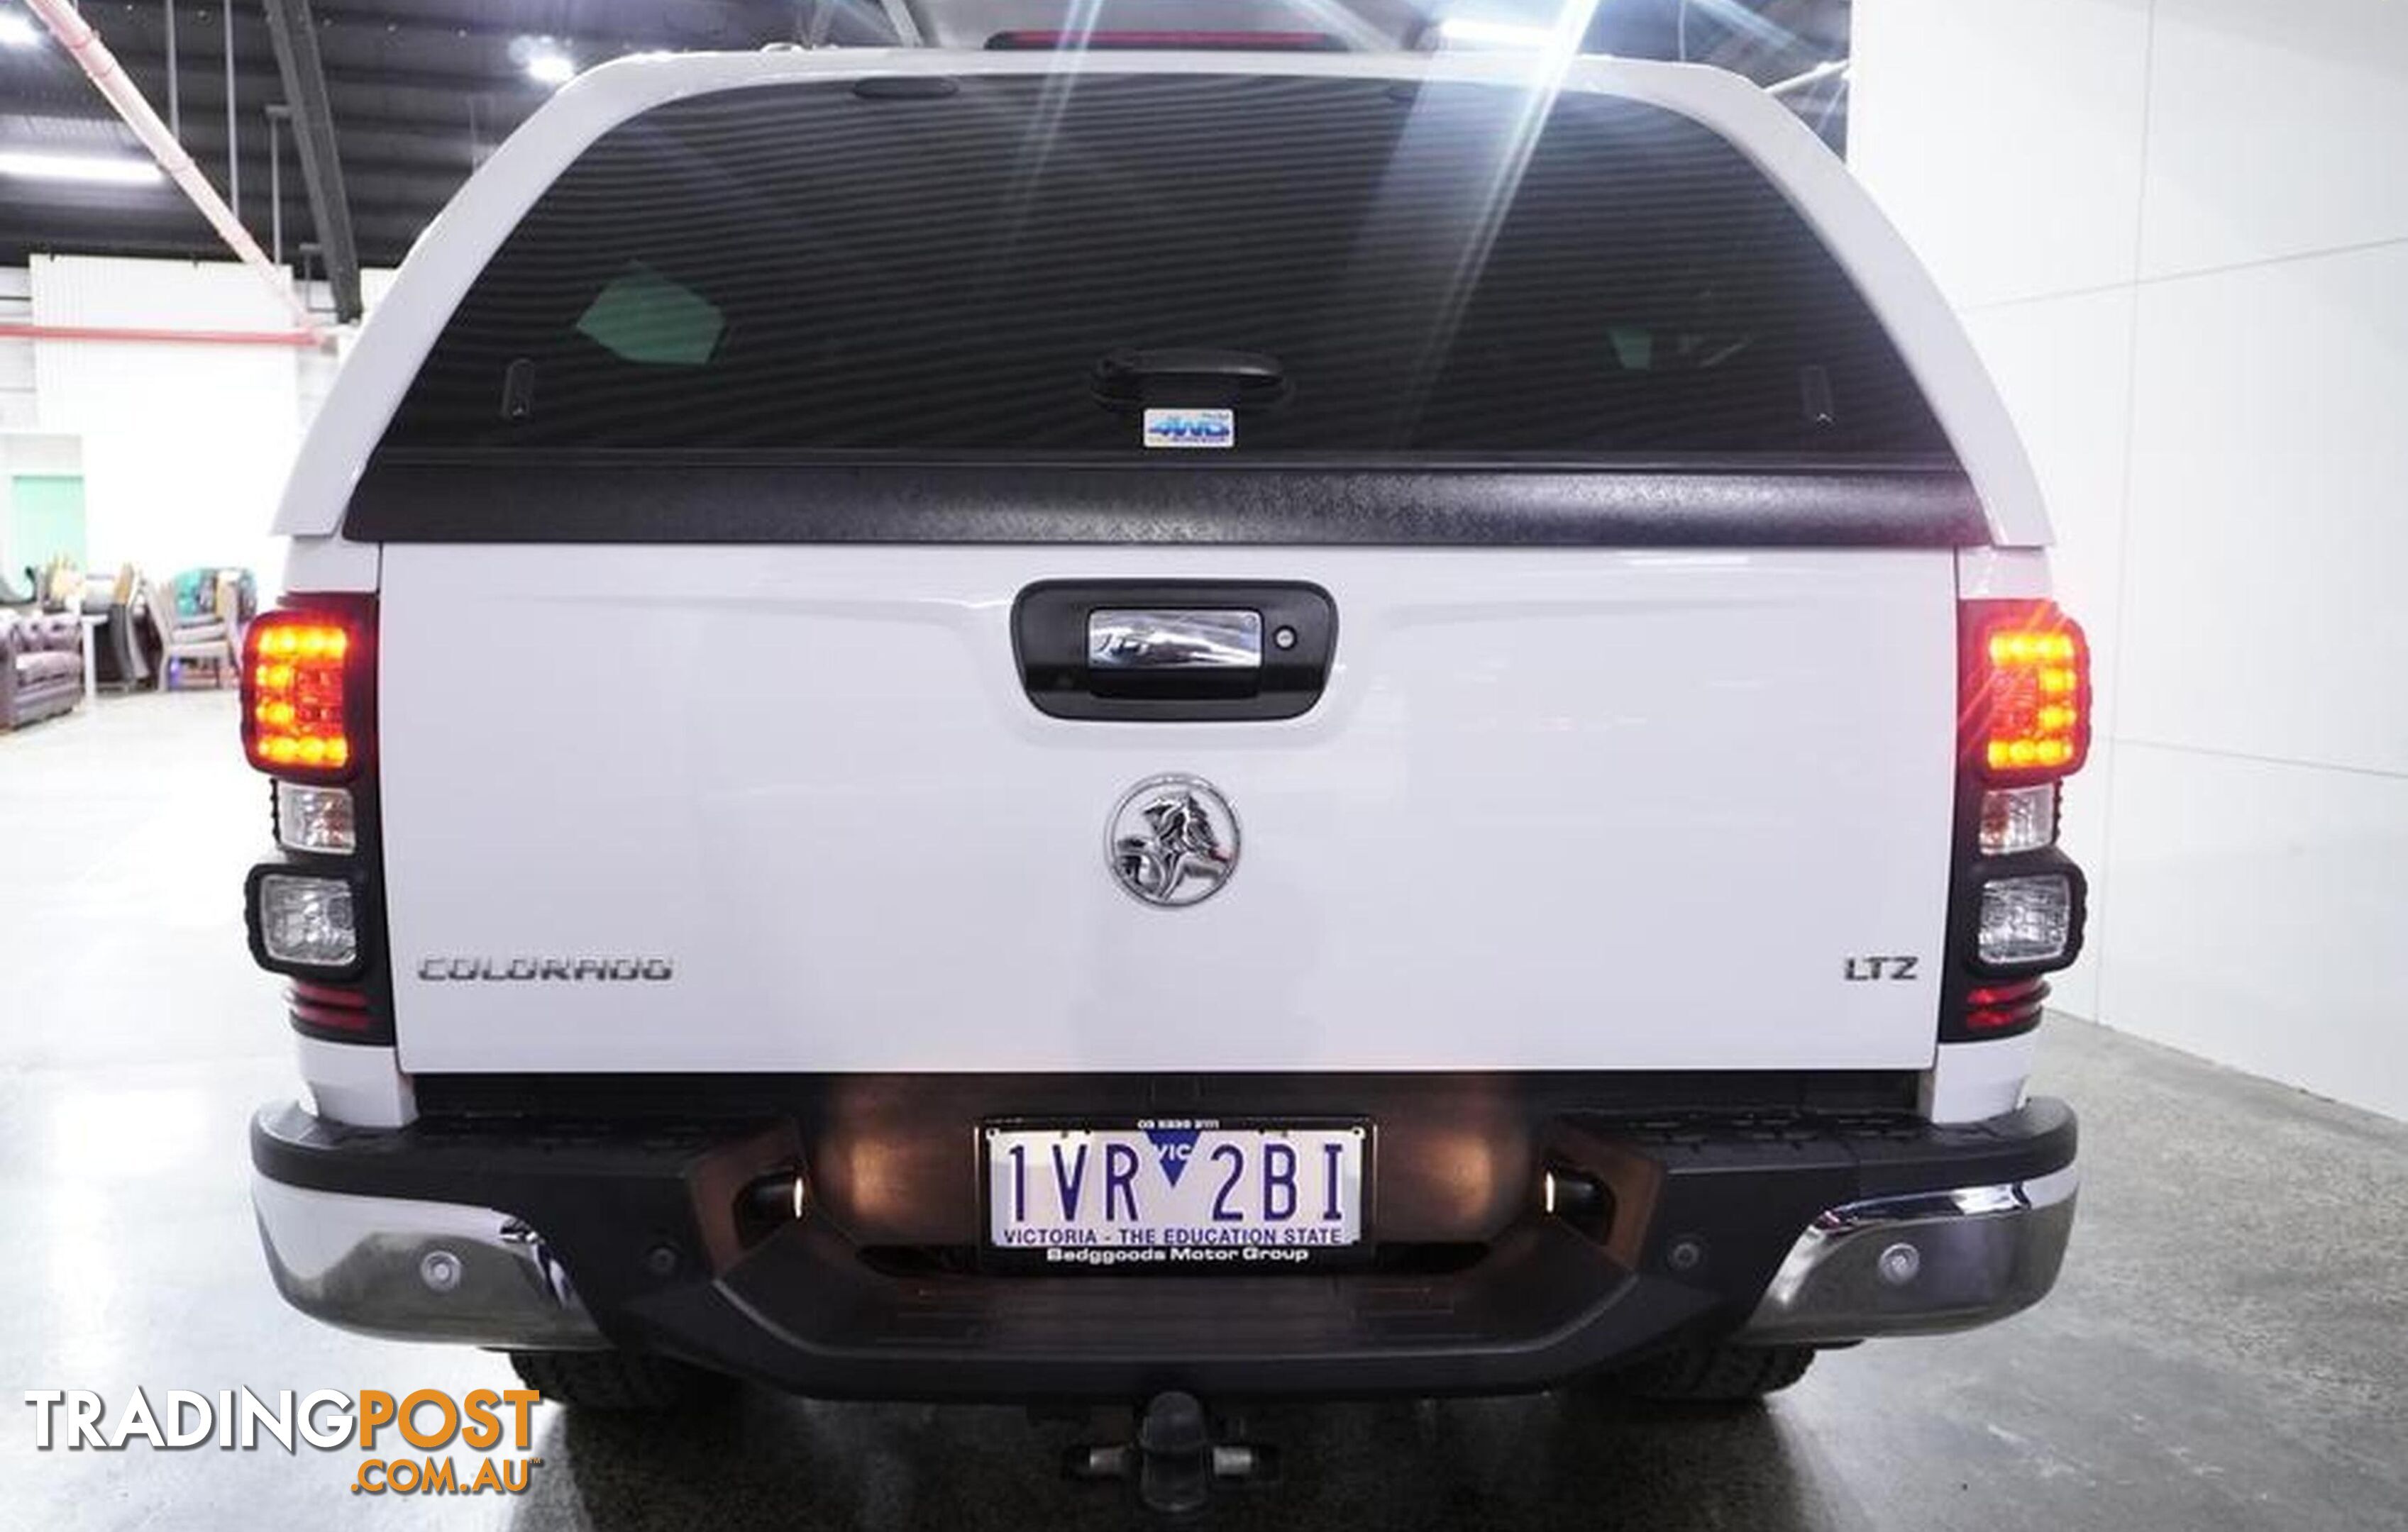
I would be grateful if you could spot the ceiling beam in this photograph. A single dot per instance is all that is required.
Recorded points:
(690, 25)
(313, 141)
(483, 74)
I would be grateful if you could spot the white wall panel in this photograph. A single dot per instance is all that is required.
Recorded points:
(2258, 913)
(185, 446)
(2275, 129)
(35, 452)
(17, 407)
(2083, 816)
(19, 410)
(2064, 367)
(2270, 524)
(2225, 490)
(2003, 137)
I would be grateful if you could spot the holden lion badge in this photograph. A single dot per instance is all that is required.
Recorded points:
(1172, 841)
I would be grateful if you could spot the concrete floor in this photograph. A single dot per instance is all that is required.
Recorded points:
(2229, 1347)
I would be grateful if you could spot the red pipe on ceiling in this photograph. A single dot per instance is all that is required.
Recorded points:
(81, 41)
(300, 340)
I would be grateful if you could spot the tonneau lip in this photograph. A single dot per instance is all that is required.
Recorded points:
(489, 495)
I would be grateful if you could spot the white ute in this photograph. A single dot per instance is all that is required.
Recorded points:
(920, 689)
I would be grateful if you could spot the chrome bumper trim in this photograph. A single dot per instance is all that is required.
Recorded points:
(1920, 1264)
(417, 1270)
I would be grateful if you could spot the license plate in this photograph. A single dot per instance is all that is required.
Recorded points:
(1177, 1192)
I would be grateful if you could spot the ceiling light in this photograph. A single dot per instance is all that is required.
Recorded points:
(108, 170)
(550, 66)
(18, 31)
(1479, 33)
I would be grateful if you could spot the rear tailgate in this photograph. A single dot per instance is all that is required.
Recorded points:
(1556, 809)
(704, 742)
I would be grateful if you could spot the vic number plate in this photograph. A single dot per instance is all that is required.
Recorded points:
(1176, 1191)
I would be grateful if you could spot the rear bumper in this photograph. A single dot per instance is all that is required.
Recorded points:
(540, 1236)
(1920, 1264)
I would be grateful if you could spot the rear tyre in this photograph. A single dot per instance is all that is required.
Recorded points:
(1713, 1374)
(619, 1381)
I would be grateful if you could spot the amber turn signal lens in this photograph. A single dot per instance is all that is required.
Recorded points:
(2028, 691)
(293, 693)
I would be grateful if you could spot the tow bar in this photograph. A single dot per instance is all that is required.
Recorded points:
(1174, 1462)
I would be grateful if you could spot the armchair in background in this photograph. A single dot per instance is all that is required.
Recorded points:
(59, 587)
(127, 647)
(203, 627)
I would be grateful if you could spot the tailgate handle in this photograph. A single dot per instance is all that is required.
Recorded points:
(1156, 641)
(1146, 650)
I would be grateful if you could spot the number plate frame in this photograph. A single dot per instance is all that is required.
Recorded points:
(1222, 1260)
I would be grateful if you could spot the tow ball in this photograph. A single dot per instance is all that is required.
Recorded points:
(1173, 1461)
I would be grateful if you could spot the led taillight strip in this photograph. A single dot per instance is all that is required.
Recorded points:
(301, 686)
(2026, 694)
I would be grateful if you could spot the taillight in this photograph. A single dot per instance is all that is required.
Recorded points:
(2025, 921)
(2017, 819)
(297, 693)
(2027, 693)
(307, 922)
(2016, 904)
(330, 1008)
(1994, 1011)
(311, 817)
(309, 722)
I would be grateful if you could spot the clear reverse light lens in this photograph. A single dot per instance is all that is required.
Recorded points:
(2025, 920)
(2019, 819)
(315, 819)
(309, 922)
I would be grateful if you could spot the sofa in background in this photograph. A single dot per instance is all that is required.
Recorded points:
(41, 665)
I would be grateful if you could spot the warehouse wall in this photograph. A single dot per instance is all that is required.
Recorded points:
(185, 446)
(2178, 231)
(16, 355)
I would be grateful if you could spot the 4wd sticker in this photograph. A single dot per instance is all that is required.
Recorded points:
(1191, 428)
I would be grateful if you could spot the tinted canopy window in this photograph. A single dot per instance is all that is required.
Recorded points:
(1023, 265)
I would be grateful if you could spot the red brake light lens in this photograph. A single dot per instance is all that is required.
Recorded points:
(296, 692)
(2027, 700)
(330, 1008)
(2000, 1009)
